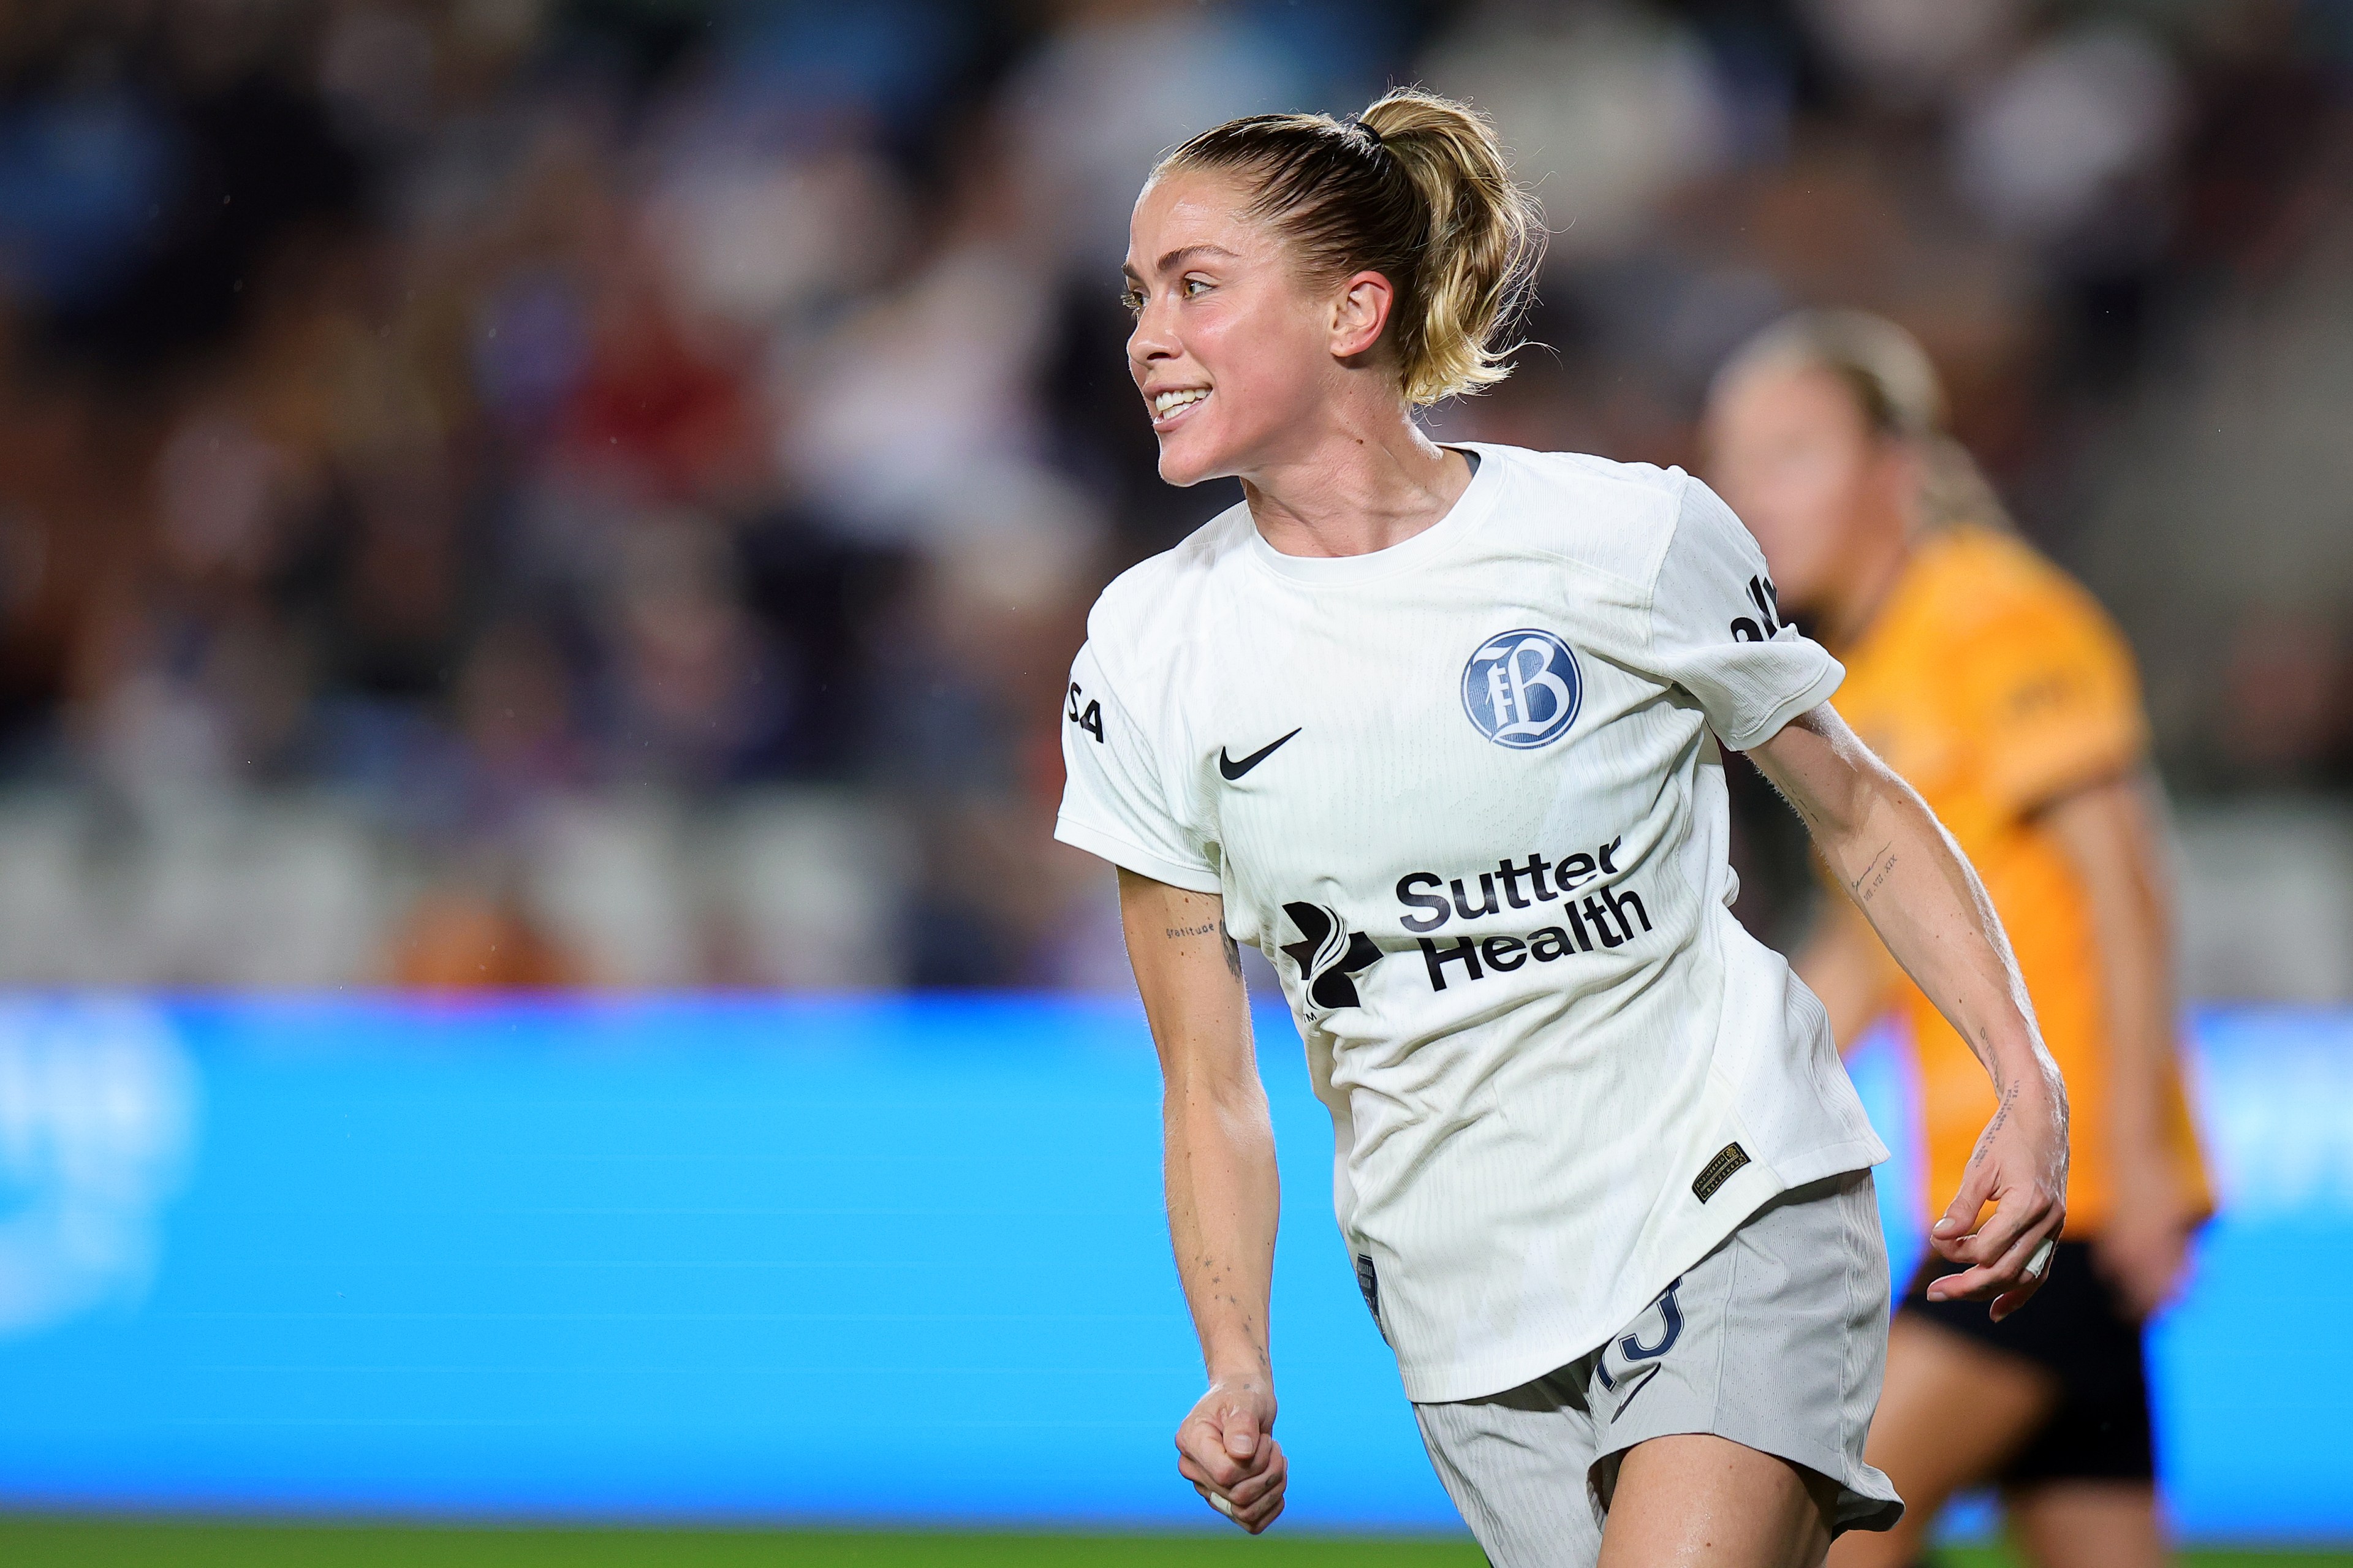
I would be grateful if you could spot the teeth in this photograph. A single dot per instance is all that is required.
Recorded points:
(1168, 403)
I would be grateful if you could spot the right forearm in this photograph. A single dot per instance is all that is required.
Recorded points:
(1219, 1142)
(1223, 1200)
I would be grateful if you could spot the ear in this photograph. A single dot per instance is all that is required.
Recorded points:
(1359, 313)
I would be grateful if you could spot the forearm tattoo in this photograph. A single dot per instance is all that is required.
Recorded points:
(1866, 886)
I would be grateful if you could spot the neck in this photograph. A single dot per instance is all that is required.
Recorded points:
(1370, 481)
(1877, 561)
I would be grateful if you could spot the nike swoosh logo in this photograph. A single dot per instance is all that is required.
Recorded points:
(1234, 770)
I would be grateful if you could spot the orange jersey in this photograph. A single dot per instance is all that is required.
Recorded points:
(1995, 685)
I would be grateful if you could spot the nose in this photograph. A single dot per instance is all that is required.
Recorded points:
(1151, 341)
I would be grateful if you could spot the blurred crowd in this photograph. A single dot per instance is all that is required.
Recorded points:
(469, 417)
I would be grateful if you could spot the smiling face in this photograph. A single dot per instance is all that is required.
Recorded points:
(1236, 350)
(1790, 451)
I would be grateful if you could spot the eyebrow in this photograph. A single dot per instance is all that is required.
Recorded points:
(1184, 253)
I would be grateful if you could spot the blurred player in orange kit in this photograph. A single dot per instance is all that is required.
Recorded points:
(1996, 685)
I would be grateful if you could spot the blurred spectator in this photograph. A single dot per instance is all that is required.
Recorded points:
(1609, 107)
(2288, 687)
(2075, 132)
(1911, 54)
(1114, 85)
(461, 938)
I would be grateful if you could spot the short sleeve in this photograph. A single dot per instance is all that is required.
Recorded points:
(1716, 628)
(2054, 692)
(1114, 804)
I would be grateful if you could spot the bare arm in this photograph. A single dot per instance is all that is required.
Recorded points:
(1910, 880)
(1221, 1186)
(2111, 834)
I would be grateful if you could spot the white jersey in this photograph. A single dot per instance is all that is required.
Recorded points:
(1462, 792)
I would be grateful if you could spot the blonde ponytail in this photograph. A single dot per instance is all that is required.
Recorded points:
(1485, 238)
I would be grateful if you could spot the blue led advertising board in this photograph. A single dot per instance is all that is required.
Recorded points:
(850, 1260)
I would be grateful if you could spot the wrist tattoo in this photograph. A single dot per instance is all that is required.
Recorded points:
(2000, 1117)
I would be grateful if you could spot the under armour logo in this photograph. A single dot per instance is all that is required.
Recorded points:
(1327, 954)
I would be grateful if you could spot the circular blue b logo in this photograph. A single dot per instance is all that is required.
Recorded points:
(1523, 688)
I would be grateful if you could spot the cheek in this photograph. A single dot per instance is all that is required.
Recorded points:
(1263, 372)
(1816, 491)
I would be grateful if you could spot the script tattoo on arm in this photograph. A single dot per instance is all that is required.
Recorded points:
(1874, 876)
(2001, 1116)
(1217, 929)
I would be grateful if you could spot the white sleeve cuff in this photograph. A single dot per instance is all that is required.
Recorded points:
(1196, 878)
(1817, 692)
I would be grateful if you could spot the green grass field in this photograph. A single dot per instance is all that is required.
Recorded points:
(94, 1543)
(50, 1542)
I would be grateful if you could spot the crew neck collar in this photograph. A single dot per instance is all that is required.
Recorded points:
(1470, 508)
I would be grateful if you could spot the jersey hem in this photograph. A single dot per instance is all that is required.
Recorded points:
(1817, 692)
(1509, 1369)
(1120, 852)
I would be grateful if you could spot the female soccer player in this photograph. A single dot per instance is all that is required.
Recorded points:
(1436, 729)
(1997, 686)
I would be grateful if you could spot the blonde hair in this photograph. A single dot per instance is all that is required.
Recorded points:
(1895, 389)
(1415, 188)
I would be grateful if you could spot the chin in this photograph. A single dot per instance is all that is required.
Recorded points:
(1184, 463)
(1183, 475)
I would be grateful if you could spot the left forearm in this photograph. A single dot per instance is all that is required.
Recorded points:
(1911, 883)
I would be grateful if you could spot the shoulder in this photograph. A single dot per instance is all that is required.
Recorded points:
(1984, 584)
(2014, 639)
(1619, 519)
(1160, 600)
(1640, 488)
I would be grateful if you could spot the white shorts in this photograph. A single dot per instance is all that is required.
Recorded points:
(1776, 1340)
